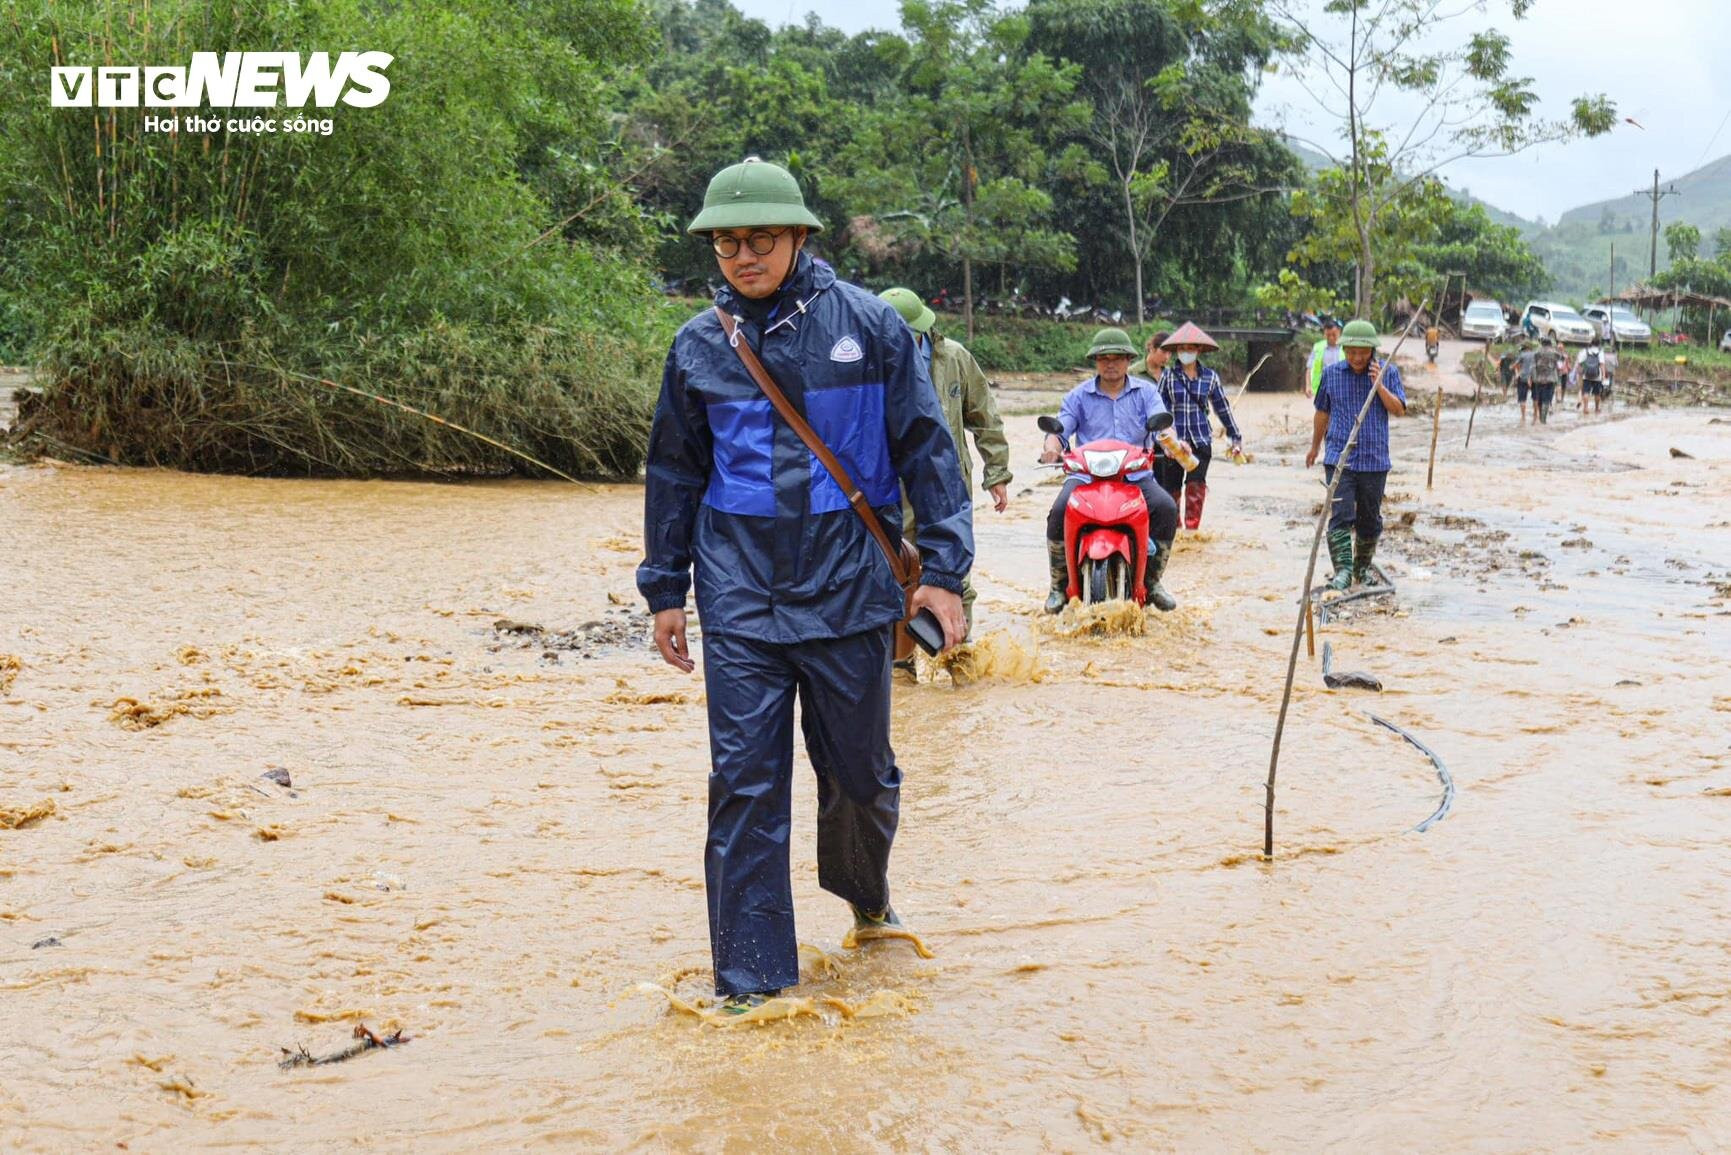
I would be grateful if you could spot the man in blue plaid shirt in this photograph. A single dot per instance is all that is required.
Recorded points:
(1345, 386)
(1189, 390)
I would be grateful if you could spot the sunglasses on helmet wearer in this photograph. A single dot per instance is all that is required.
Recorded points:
(759, 241)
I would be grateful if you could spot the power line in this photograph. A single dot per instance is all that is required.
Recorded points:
(1657, 195)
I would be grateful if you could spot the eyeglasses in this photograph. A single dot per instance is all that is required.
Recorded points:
(759, 241)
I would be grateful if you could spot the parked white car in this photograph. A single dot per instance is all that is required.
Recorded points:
(1561, 322)
(1629, 329)
(1483, 321)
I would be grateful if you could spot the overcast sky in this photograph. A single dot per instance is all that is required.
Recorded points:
(1662, 63)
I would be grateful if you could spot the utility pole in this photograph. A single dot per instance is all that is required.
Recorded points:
(1657, 195)
(1611, 281)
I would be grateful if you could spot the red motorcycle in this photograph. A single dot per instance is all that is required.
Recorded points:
(1106, 519)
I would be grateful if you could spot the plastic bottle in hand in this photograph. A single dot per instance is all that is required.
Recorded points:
(1160, 426)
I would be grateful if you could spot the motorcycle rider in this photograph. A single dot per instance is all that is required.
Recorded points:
(1111, 405)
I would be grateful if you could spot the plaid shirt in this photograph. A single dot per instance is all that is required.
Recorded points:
(1341, 395)
(1189, 401)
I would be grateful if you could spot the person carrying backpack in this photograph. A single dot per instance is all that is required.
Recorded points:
(1591, 367)
(1547, 372)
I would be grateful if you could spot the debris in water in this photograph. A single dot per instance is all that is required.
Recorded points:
(49, 941)
(1442, 773)
(9, 667)
(182, 1086)
(622, 628)
(366, 1041)
(14, 817)
(1628, 682)
(1675, 452)
(278, 775)
(1349, 680)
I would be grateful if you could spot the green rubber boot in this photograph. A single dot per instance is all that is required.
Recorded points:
(1157, 595)
(1340, 553)
(744, 1004)
(1059, 597)
(1362, 554)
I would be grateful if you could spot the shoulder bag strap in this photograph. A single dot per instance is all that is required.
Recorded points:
(813, 442)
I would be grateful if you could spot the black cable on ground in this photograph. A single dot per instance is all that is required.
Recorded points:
(1442, 773)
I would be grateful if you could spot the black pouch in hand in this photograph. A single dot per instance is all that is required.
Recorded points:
(926, 630)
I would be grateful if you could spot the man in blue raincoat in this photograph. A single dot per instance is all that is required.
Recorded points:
(794, 594)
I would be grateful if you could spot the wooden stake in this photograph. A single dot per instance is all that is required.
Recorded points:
(1435, 427)
(1477, 387)
(1309, 626)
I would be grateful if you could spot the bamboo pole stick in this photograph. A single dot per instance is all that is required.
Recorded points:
(1435, 428)
(1304, 602)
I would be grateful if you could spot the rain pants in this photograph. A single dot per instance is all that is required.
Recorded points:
(795, 598)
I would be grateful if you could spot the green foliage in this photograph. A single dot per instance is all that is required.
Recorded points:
(891, 134)
(1682, 241)
(1469, 103)
(182, 286)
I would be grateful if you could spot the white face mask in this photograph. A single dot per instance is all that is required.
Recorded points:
(1187, 358)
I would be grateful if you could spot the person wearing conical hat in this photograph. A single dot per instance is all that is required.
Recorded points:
(1111, 405)
(797, 600)
(1189, 390)
(966, 397)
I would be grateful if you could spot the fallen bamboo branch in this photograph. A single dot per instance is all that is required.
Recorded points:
(1304, 597)
(433, 417)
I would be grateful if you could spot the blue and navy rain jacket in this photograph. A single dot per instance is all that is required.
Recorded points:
(732, 492)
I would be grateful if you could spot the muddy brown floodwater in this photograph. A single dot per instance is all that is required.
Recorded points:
(491, 838)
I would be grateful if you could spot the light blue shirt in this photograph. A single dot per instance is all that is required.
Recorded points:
(1089, 415)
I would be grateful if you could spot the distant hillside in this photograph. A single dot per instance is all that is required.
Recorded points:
(1704, 201)
(1314, 161)
(1578, 251)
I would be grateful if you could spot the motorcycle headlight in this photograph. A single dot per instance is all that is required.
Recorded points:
(1104, 464)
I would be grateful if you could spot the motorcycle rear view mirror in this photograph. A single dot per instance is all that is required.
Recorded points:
(1159, 421)
(1049, 424)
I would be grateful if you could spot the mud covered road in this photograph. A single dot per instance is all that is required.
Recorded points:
(281, 757)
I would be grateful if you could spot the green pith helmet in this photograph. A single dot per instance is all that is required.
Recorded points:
(753, 194)
(1111, 341)
(913, 310)
(1359, 335)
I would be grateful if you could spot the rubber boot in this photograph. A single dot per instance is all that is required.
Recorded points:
(1340, 553)
(1194, 495)
(1059, 597)
(1363, 550)
(1157, 595)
